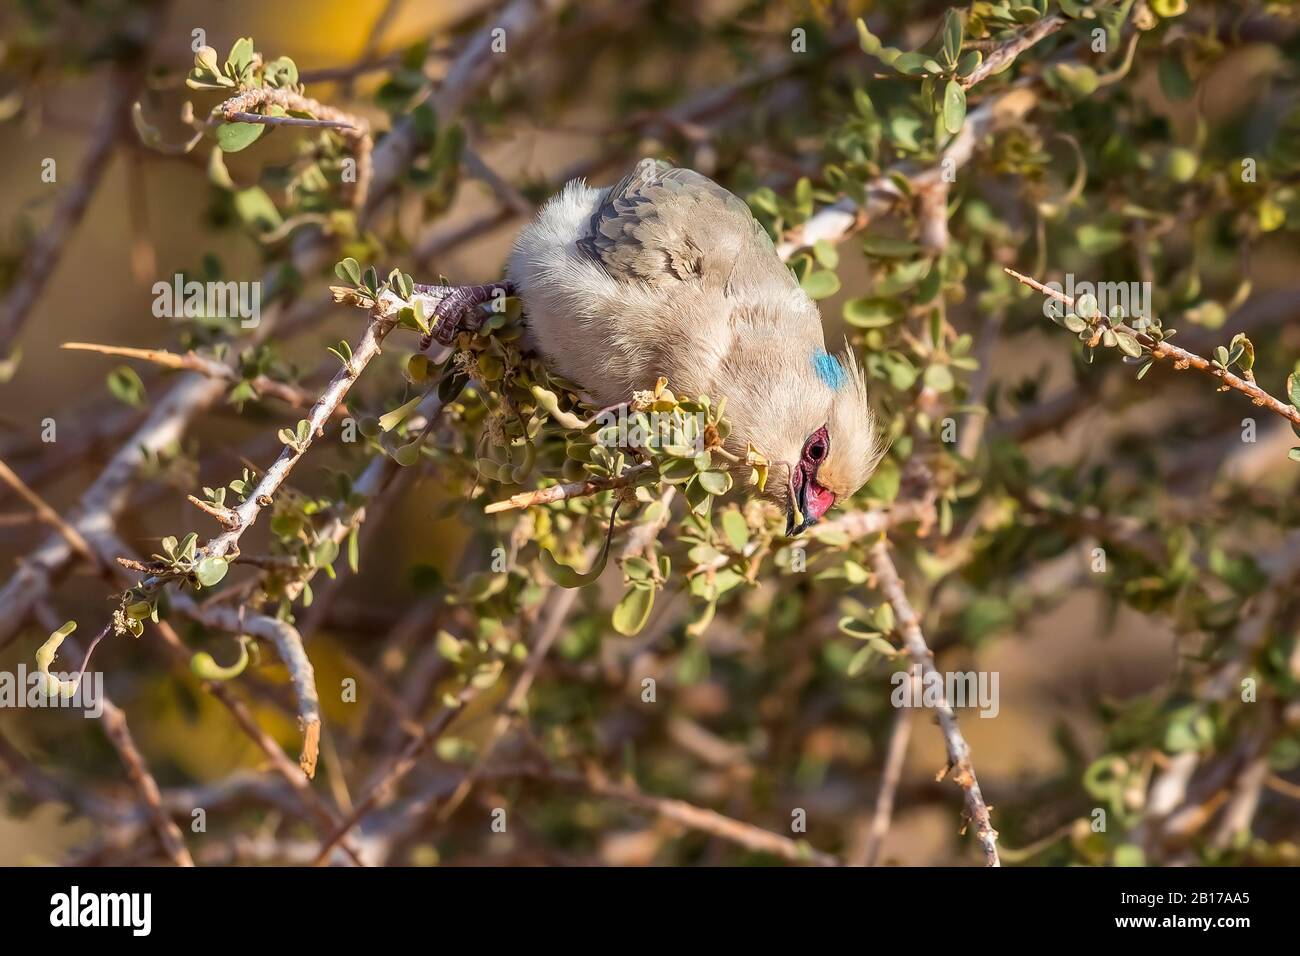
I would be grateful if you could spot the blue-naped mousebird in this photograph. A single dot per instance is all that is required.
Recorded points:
(668, 274)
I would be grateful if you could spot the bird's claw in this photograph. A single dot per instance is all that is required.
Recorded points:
(459, 311)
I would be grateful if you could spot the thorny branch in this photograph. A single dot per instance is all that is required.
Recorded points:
(1181, 358)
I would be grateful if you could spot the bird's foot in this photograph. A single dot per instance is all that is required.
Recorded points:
(459, 309)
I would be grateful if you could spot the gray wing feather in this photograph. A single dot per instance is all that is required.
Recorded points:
(664, 225)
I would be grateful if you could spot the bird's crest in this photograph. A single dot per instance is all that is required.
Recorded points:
(856, 445)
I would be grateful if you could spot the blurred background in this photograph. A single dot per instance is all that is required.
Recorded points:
(762, 716)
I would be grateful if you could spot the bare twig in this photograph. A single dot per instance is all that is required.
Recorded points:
(168, 832)
(213, 368)
(747, 835)
(47, 514)
(572, 489)
(551, 626)
(895, 758)
(47, 250)
(959, 759)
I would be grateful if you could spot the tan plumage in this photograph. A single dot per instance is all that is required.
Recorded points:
(669, 274)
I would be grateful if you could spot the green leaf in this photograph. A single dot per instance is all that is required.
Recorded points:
(400, 414)
(354, 549)
(1075, 79)
(859, 661)
(53, 686)
(1168, 8)
(408, 454)
(633, 610)
(916, 64)
(349, 270)
(969, 63)
(952, 37)
(715, 482)
(567, 577)
(211, 570)
(206, 59)
(1098, 240)
(1270, 214)
(1128, 344)
(826, 254)
(698, 497)
(1129, 854)
(889, 248)
(343, 350)
(241, 57)
(872, 312)
(954, 107)
(1174, 78)
(735, 529)
(674, 471)
(281, 72)
(205, 667)
(256, 210)
(232, 137)
(870, 43)
(125, 385)
(939, 378)
(821, 284)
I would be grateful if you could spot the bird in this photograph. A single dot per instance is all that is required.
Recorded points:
(668, 274)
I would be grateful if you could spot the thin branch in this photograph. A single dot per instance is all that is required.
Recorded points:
(1162, 349)
(551, 626)
(45, 253)
(213, 368)
(137, 771)
(843, 218)
(168, 832)
(747, 835)
(405, 763)
(261, 497)
(1004, 53)
(289, 647)
(46, 513)
(895, 758)
(959, 759)
(239, 109)
(572, 489)
(98, 507)
(241, 117)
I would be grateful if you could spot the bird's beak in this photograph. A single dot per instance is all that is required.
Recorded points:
(797, 518)
(804, 507)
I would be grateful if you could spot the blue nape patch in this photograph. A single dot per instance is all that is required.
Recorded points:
(829, 370)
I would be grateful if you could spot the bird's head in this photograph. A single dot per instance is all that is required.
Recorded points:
(825, 435)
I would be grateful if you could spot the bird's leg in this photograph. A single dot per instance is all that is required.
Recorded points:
(458, 308)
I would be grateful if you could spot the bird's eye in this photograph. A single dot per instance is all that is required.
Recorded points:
(816, 451)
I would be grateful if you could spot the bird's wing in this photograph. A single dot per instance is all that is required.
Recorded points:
(665, 225)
